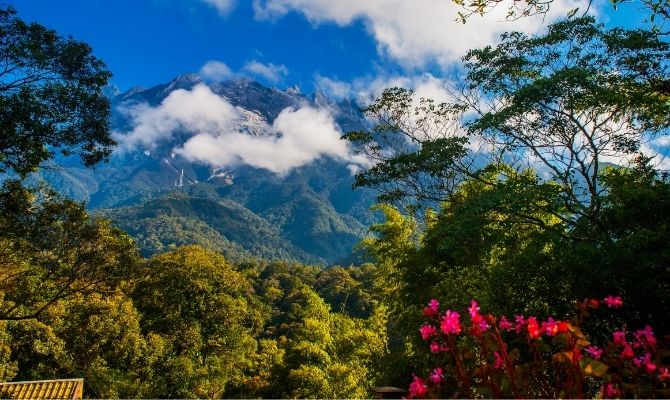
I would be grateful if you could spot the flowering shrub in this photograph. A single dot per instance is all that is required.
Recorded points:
(523, 357)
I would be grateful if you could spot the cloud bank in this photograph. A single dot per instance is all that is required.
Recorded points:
(297, 136)
(418, 31)
(217, 71)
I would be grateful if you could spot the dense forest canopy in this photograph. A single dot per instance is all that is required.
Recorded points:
(538, 185)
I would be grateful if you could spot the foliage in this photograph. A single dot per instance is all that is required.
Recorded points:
(305, 228)
(189, 324)
(565, 103)
(478, 246)
(659, 10)
(527, 358)
(50, 97)
(199, 305)
(572, 98)
(50, 250)
(633, 257)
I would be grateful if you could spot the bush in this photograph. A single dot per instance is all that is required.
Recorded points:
(524, 357)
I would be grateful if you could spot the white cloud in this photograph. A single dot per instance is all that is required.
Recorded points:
(297, 136)
(333, 88)
(216, 71)
(222, 6)
(305, 135)
(271, 72)
(197, 110)
(418, 31)
(366, 89)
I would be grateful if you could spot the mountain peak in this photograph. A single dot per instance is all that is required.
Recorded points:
(294, 90)
(187, 78)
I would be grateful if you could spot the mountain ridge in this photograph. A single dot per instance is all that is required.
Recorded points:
(310, 215)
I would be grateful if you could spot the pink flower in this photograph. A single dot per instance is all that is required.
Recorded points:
(593, 303)
(473, 309)
(520, 321)
(620, 338)
(498, 362)
(594, 352)
(638, 361)
(534, 330)
(663, 374)
(435, 348)
(613, 301)
(550, 327)
(650, 367)
(646, 362)
(646, 336)
(479, 324)
(427, 331)
(504, 324)
(450, 323)
(563, 327)
(437, 376)
(482, 324)
(417, 388)
(432, 309)
(627, 353)
(610, 391)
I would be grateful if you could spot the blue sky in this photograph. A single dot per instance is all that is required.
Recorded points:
(146, 42)
(340, 44)
(346, 48)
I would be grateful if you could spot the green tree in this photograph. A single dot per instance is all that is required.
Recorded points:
(51, 97)
(572, 99)
(565, 103)
(96, 336)
(51, 249)
(200, 305)
(347, 290)
(632, 258)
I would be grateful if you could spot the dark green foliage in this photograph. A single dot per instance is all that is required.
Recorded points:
(221, 225)
(633, 258)
(50, 97)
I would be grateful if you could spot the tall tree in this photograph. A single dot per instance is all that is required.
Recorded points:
(570, 100)
(51, 97)
(564, 102)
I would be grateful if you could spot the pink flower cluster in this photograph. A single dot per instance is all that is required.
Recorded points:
(417, 388)
(609, 301)
(450, 323)
(639, 351)
(636, 350)
(479, 324)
